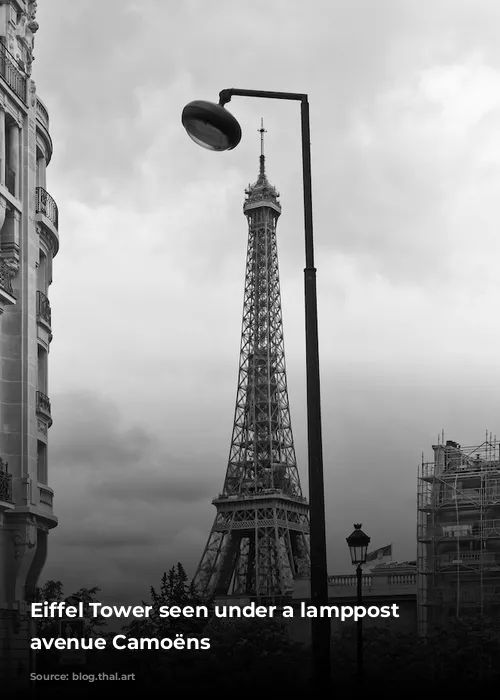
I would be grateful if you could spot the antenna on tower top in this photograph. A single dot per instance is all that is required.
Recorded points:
(262, 132)
(262, 157)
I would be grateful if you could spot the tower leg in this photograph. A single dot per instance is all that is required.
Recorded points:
(259, 552)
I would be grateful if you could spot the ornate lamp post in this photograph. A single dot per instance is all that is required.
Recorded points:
(211, 126)
(358, 546)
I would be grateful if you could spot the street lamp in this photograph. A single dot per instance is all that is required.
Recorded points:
(358, 545)
(210, 125)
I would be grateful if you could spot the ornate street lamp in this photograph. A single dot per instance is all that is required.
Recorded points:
(358, 543)
(358, 546)
(211, 126)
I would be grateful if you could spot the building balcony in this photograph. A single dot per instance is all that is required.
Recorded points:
(46, 496)
(41, 113)
(47, 214)
(6, 291)
(46, 205)
(43, 312)
(10, 180)
(5, 487)
(43, 406)
(11, 74)
(42, 128)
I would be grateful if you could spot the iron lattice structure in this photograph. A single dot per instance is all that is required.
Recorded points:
(260, 538)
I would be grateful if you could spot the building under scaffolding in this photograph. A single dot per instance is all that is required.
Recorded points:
(459, 532)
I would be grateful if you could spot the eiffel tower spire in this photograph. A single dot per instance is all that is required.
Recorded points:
(262, 131)
(260, 538)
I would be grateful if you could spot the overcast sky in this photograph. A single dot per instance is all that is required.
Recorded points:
(148, 284)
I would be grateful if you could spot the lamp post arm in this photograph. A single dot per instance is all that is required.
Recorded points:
(225, 95)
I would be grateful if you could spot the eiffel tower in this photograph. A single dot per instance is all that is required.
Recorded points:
(259, 540)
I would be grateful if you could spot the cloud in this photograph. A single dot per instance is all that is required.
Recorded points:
(115, 461)
(120, 495)
(98, 540)
(148, 283)
(160, 490)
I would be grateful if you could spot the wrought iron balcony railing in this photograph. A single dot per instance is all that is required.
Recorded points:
(11, 74)
(43, 403)
(45, 204)
(43, 308)
(6, 278)
(5, 483)
(10, 180)
(41, 113)
(46, 496)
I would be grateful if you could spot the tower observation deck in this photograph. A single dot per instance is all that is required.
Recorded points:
(260, 538)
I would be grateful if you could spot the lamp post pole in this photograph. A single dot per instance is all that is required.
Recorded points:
(359, 577)
(216, 122)
(358, 543)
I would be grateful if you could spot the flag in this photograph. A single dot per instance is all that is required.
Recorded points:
(380, 553)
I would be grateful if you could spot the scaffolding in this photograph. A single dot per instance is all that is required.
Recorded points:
(458, 532)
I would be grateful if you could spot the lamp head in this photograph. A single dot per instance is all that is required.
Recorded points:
(211, 126)
(358, 545)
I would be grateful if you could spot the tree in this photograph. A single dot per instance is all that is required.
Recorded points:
(89, 595)
(243, 652)
(52, 591)
(161, 666)
(174, 591)
(256, 653)
(461, 655)
(246, 652)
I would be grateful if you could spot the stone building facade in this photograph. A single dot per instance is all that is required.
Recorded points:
(29, 240)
